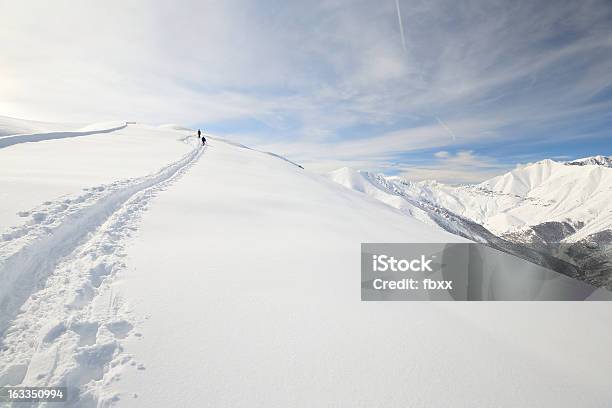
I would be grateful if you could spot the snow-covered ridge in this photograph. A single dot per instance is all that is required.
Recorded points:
(233, 143)
(30, 252)
(75, 209)
(535, 206)
(73, 247)
(528, 195)
(39, 137)
(192, 267)
(592, 161)
(174, 126)
(14, 126)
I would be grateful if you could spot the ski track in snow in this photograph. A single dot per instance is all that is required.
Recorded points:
(40, 137)
(60, 323)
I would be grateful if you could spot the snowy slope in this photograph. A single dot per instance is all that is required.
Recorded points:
(590, 161)
(68, 201)
(379, 188)
(546, 191)
(400, 194)
(253, 300)
(541, 192)
(551, 191)
(36, 170)
(559, 209)
(61, 320)
(15, 126)
(222, 276)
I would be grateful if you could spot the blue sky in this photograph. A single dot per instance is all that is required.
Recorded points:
(459, 92)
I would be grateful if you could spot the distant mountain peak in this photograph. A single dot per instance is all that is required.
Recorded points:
(547, 212)
(598, 160)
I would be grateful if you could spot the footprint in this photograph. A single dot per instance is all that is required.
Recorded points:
(39, 217)
(108, 248)
(87, 331)
(82, 296)
(54, 332)
(13, 375)
(98, 273)
(92, 359)
(120, 328)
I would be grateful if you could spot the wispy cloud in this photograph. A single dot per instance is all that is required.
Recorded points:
(401, 24)
(328, 81)
(461, 167)
(449, 130)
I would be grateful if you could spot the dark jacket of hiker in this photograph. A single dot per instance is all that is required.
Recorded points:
(203, 140)
(199, 133)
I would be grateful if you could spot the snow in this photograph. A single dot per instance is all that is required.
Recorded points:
(598, 160)
(223, 276)
(551, 191)
(258, 304)
(360, 182)
(529, 195)
(32, 173)
(560, 209)
(41, 137)
(381, 189)
(14, 126)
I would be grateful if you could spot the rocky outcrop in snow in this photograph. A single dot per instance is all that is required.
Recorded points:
(599, 160)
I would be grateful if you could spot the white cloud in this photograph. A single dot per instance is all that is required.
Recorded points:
(462, 167)
(310, 71)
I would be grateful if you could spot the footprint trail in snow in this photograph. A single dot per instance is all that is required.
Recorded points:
(60, 323)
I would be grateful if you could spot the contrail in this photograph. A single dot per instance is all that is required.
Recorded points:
(401, 25)
(446, 128)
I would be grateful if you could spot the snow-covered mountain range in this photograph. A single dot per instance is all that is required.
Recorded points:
(543, 209)
(134, 261)
(125, 247)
